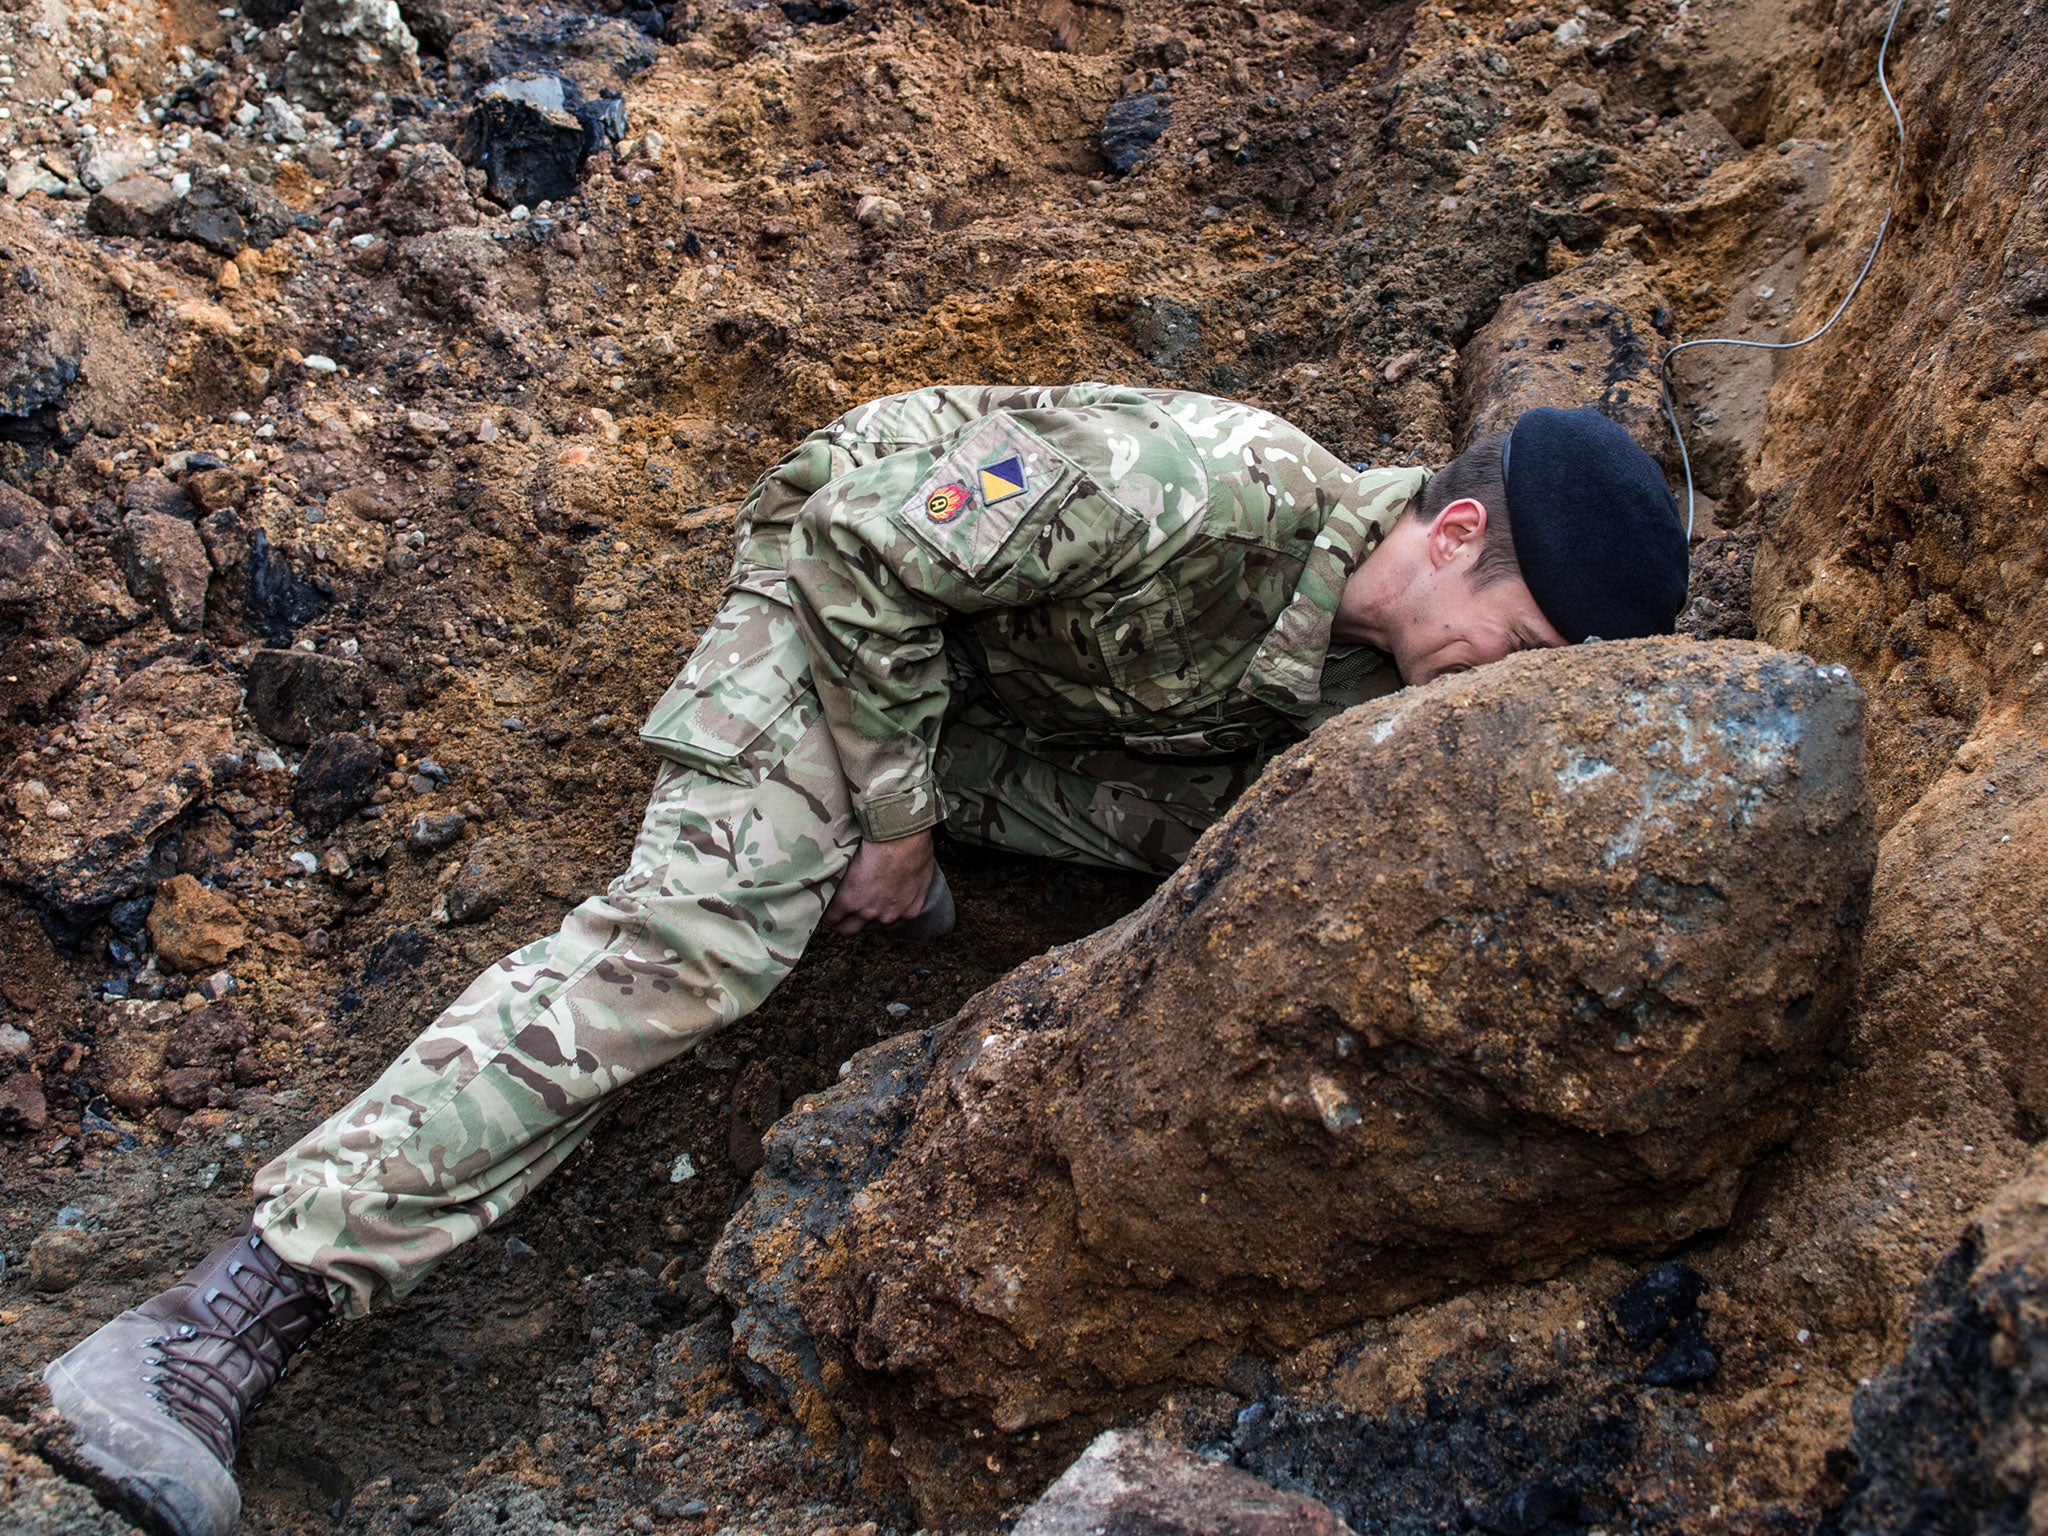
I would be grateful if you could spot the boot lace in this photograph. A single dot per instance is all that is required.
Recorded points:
(211, 1376)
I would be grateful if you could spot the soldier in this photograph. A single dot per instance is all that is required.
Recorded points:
(1073, 622)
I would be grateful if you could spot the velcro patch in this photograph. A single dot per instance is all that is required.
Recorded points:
(979, 494)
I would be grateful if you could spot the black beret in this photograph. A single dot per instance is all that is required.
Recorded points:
(1595, 529)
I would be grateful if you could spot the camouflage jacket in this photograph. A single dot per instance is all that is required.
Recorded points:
(1151, 569)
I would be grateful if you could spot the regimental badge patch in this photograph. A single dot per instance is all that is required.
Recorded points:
(1002, 480)
(944, 504)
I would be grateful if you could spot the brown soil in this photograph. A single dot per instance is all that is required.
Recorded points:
(1346, 194)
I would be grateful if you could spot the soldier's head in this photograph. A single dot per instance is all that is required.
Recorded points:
(1558, 531)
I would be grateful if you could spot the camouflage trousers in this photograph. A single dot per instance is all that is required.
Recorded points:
(746, 835)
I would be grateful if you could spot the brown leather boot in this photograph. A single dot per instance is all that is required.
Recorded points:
(157, 1398)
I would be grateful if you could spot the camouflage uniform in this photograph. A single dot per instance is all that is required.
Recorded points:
(1071, 622)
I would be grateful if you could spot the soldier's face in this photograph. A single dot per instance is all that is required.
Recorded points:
(1452, 624)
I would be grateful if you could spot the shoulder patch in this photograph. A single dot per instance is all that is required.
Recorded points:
(1002, 480)
(944, 504)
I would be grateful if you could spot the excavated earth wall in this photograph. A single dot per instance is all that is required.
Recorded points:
(353, 514)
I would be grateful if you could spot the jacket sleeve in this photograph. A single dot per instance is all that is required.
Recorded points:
(996, 516)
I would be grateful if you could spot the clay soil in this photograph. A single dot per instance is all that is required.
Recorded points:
(502, 458)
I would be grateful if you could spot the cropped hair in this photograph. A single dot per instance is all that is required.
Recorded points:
(1476, 475)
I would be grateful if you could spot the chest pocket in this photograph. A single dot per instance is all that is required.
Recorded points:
(743, 700)
(1144, 640)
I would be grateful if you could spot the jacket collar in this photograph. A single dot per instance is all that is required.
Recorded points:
(1287, 669)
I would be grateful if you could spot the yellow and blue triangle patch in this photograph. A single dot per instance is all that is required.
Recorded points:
(1002, 480)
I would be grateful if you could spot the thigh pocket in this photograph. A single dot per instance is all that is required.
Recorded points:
(743, 700)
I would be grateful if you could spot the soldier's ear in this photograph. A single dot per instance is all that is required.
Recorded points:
(1457, 533)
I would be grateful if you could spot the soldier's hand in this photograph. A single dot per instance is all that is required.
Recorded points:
(885, 883)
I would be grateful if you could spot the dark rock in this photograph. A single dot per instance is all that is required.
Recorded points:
(1134, 1485)
(1534, 1507)
(297, 697)
(188, 1087)
(531, 135)
(137, 206)
(338, 775)
(225, 212)
(1686, 1357)
(1657, 1303)
(279, 600)
(1166, 331)
(1530, 1028)
(1131, 130)
(349, 50)
(166, 566)
(430, 831)
(270, 13)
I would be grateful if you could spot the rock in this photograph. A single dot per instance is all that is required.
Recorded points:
(531, 134)
(193, 927)
(279, 600)
(431, 832)
(1533, 962)
(1131, 130)
(1583, 338)
(281, 120)
(22, 1106)
(165, 563)
(453, 274)
(1138, 1486)
(297, 697)
(1658, 1303)
(36, 674)
(153, 493)
(61, 1257)
(211, 490)
(107, 159)
(339, 774)
(225, 212)
(1952, 1426)
(874, 212)
(348, 51)
(490, 876)
(177, 721)
(48, 605)
(426, 426)
(433, 23)
(136, 206)
(426, 194)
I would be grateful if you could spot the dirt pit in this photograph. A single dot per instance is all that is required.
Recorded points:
(478, 457)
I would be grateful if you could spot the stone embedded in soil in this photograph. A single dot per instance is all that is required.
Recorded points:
(193, 927)
(165, 563)
(427, 192)
(338, 776)
(1586, 337)
(61, 1257)
(174, 723)
(1131, 130)
(431, 831)
(489, 877)
(1657, 1303)
(23, 1107)
(1530, 963)
(1138, 1486)
(348, 51)
(225, 211)
(278, 599)
(528, 139)
(297, 697)
(135, 206)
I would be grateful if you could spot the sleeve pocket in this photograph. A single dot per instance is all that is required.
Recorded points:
(743, 700)
(1144, 640)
